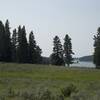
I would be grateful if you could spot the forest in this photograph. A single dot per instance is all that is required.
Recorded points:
(15, 47)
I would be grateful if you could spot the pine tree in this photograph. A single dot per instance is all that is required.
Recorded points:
(97, 49)
(22, 50)
(34, 50)
(8, 42)
(57, 55)
(2, 42)
(14, 45)
(68, 50)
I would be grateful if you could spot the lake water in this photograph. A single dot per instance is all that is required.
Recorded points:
(84, 64)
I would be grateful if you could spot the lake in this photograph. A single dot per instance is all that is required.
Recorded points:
(84, 64)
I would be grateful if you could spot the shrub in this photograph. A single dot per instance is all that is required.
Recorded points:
(67, 91)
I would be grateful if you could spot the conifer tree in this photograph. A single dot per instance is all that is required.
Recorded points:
(97, 49)
(38, 55)
(8, 42)
(2, 42)
(14, 45)
(68, 50)
(22, 50)
(57, 55)
(34, 50)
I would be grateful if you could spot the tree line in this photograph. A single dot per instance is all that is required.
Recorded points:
(14, 47)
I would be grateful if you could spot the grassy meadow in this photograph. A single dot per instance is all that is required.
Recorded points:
(46, 82)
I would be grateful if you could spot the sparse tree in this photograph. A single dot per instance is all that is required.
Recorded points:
(68, 50)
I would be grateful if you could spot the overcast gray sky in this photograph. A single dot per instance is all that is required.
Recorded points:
(47, 18)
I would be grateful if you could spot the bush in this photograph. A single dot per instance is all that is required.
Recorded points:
(67, 91)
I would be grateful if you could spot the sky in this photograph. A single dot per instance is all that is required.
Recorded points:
(47, 18)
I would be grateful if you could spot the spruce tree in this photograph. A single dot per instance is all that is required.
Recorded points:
(68, 50)
(97, 49)
(2, 42)
(22, 50)
(34, 50)
(57, 55)
(8, 48)
(14, 45)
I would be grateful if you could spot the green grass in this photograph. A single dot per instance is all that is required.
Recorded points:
(30, 78)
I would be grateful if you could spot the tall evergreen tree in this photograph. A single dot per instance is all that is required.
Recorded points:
(7, 42)
(2, 42)
(14, 45)
(57, 55)
(22, 51)
(68, 50)
(34, 50)
(97, 49)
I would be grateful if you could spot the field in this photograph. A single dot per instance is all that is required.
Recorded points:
(35, 82)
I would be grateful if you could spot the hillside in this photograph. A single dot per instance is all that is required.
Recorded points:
(86, 58)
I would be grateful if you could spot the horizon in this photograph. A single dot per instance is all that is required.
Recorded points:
(47, 18)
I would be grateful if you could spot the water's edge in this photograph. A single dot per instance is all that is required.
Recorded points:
(84, 64)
